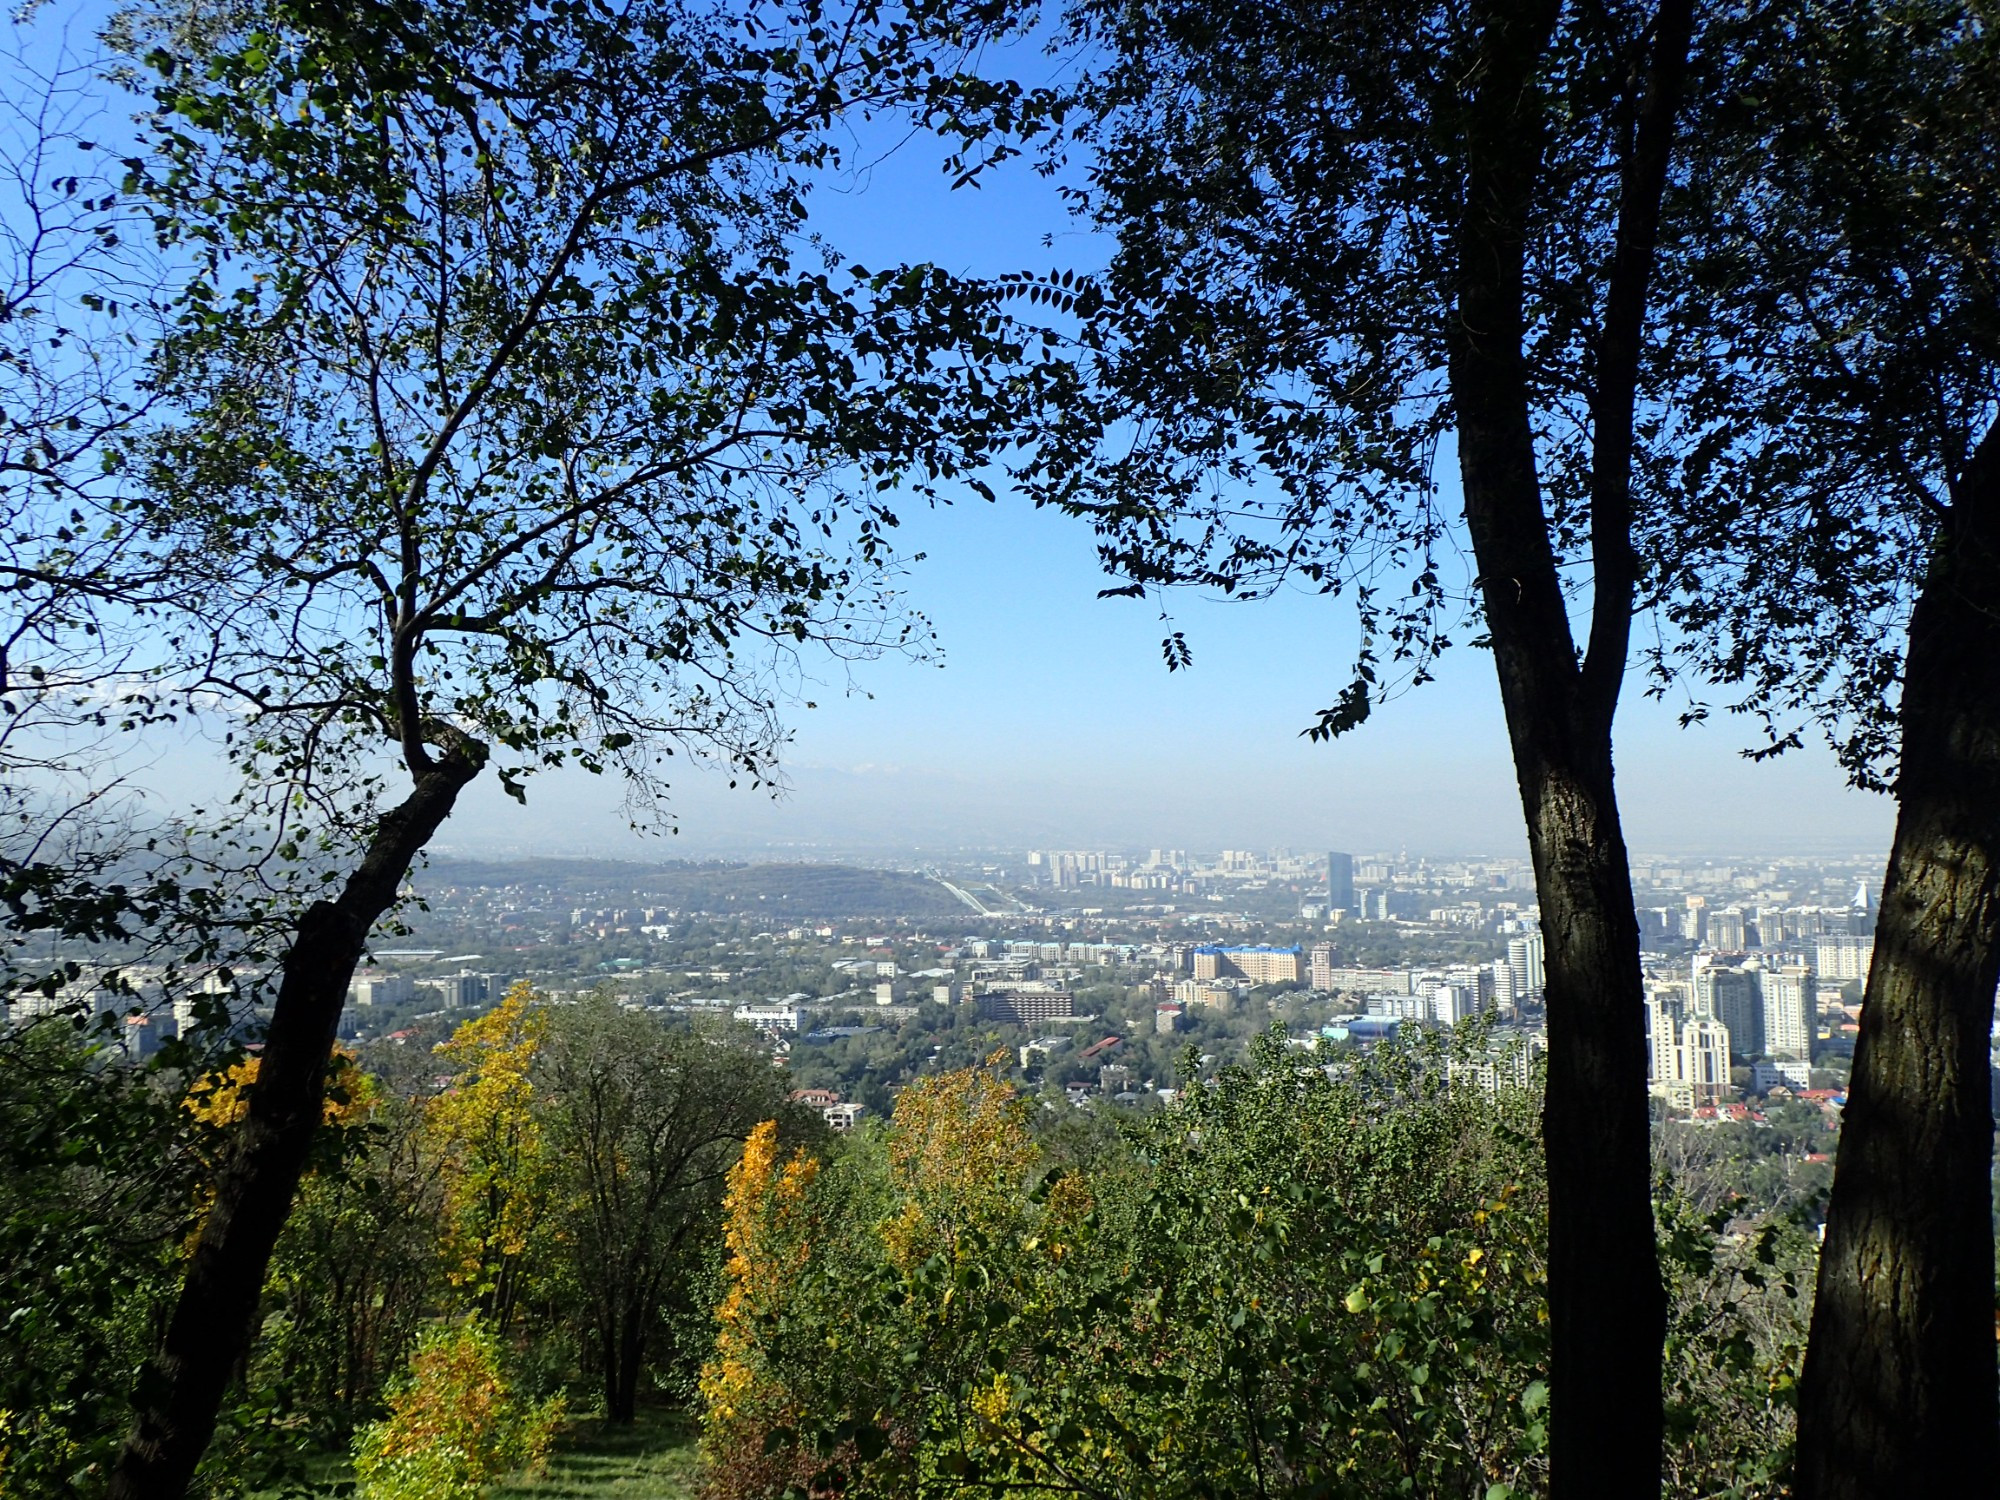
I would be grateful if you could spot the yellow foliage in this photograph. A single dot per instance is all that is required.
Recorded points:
(760, 1212)
(220, 1099)
(959, 1147)
(453, 1424)
(491, 1156)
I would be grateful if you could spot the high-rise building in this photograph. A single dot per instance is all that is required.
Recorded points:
(1452, 1003)
(1727, 931)
(1704, 1060)
(1665, 1008)
(1790, 998)
(1524, 957)
(1320, 968)
(1733, 997)
(1340, 881)
(1843, 956)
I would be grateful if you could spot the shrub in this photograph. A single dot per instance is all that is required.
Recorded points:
(453, 1423)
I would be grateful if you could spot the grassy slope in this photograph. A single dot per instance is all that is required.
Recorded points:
(654, 1459)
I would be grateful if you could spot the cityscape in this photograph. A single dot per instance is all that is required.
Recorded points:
(1098, 969)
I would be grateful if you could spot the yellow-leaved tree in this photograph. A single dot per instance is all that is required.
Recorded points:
(960, 1153)
(221, 1099)
(762, 1219)
(454, 1424)
(492, 1157)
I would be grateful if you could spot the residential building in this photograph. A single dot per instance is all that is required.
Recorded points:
(1843, 957)
(1704, 1060)
(843, 1117)
(1727, 930)
(1791, 1000)
(1219, 994)
(1665, 1011)
(1733, 997)
(1258, 965)
(1319, 970)
(1024, 1006)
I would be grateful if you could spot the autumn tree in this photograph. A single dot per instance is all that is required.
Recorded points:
(486, 1139)
(517, 422)
(1349, 240)
(1834, 559)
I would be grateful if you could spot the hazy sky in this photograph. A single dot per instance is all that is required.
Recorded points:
(1053, 719)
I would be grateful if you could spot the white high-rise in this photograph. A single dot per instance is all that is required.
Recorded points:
(1665, 1007)
(1790, 999)
(1524, 957)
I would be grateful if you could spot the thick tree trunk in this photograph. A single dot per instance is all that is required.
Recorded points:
(1607, 1307)
(182, 1387)
(1899, 1395)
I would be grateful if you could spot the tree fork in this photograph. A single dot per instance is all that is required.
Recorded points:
(1899, 1394)
(181, 1388)
(1607, 1305)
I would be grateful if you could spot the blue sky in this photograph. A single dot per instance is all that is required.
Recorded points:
(1053, 720)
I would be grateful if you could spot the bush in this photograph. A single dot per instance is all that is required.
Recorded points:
(453, 1423)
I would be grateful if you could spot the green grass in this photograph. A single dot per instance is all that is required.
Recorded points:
(653, 1459)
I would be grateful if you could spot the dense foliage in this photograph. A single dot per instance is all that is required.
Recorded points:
(1298, 1279)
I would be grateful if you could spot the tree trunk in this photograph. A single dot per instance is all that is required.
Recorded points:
(1899, 1395)
(1607, 1306)
(181, 1389)
(621, 1375)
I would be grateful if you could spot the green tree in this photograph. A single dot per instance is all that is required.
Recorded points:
(643, 1123)
(353, 1275)
(1283, 1284)
(98, 1188)
(520, 423)
(1347, 238)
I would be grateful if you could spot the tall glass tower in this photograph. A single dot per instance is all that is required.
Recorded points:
(1340, 882)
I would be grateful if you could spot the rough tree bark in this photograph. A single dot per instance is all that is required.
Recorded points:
(1606, 1302)
(182, 1386)
(1899, 1395)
